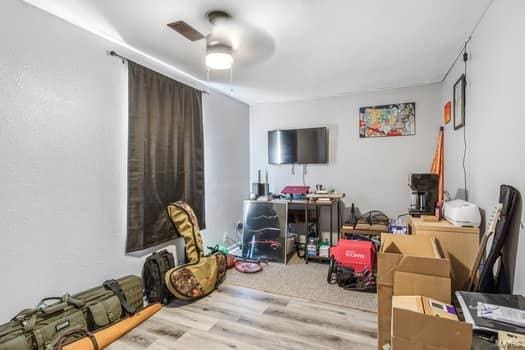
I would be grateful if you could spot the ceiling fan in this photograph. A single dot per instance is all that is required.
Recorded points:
(227, 37)
(219, 45)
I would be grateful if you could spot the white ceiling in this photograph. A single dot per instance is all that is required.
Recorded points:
(299, 49)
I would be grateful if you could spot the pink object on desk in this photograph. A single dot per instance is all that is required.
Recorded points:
(295, 190)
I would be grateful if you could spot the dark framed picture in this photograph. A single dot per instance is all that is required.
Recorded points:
(459, 102)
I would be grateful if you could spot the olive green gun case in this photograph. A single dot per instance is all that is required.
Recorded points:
(111, 301)
(202, 274)
(61, 320)
(43, 327)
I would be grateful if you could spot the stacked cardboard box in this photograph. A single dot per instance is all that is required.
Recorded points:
(423, 323)
(408, 265)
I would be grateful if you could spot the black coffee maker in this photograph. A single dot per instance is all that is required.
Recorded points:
(424, 194)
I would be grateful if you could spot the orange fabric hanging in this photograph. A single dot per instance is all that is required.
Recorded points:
(438, 164)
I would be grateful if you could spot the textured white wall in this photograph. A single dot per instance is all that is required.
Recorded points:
(495, 114)
(63, 142)
(372, 172)
(227, 162)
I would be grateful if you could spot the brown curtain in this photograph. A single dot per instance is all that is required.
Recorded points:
(165, 155)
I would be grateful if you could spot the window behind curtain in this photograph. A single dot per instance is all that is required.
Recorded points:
(165, 155)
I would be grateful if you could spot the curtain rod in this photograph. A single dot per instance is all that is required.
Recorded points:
(115, 54)
(125, 59)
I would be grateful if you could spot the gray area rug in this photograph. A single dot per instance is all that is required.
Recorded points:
(300, 280)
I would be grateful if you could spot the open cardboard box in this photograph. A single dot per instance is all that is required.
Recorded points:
(420, 323)
(408, 265)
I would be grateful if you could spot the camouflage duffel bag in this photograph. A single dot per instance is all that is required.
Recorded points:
(201, 274)
(195, 280)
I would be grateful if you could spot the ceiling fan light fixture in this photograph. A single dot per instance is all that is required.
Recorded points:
(219, 57)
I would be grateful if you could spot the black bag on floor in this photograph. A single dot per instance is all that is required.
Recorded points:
(153, 274)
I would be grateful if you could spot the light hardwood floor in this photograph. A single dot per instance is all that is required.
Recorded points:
(246, 319)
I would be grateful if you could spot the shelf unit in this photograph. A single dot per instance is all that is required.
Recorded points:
(318, 205)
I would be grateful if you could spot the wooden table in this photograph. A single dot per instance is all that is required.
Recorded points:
(363, 230)
(459, 244)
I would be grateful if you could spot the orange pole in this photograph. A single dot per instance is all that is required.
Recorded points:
(110, 334)
(441, 196)
(438, 164)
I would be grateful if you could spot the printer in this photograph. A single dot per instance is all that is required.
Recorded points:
(462, 213)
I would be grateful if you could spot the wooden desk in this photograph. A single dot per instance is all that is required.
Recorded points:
(459, 244)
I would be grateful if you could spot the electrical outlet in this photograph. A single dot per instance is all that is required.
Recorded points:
(238, 226)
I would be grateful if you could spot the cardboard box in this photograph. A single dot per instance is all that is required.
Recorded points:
(423, 323)
(418, 284)
(459, 244)
(408, 265)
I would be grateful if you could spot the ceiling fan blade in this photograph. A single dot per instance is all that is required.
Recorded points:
(252, 45)
(186, 30)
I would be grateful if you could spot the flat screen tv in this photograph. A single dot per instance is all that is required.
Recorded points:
(299, 146)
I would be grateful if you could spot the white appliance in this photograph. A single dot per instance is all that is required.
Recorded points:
(462, 213)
